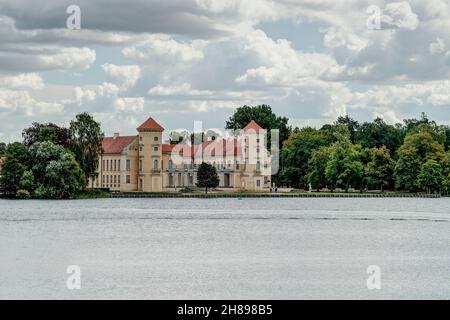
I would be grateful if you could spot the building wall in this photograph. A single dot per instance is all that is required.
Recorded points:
(149, 170)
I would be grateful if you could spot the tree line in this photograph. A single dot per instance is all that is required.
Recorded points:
(52, 162)
(411, 156)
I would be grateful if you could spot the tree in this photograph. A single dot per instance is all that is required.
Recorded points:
(207, 176)
(86, 143)
(351, 124)
(11, 175)
(380, 169)
(317, 165)
(296, 153)
(40, 132)
(56, 173)
(430, 178)
(2, 149)
(16, 162)
(264, 116)
(377, 134)
(418, 148)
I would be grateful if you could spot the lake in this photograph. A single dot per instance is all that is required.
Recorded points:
(299, 248)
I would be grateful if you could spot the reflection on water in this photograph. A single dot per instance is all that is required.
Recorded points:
(225, 248)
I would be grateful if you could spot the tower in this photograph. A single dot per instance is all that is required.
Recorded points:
(150, 156)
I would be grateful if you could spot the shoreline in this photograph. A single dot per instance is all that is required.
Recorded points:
(272, 195)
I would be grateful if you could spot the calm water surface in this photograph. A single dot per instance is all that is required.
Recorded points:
(296, 248)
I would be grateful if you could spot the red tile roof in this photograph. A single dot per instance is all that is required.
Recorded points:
(150, 125)
(214, 148)
(116, 145)
(253, 125)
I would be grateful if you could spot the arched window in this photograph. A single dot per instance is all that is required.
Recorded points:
(170, 164)
(155, 164)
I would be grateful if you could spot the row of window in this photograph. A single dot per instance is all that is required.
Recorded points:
(113, 180)
(114, 165)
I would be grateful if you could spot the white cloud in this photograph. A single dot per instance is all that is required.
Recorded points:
(22, 81)
(124, 76)
(164, 47)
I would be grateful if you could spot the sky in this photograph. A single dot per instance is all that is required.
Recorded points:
(184, 60)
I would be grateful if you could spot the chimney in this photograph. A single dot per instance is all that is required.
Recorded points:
(116, 135)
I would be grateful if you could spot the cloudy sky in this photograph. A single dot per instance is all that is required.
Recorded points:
(186, 60)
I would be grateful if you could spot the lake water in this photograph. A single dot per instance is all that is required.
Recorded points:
(299, 248)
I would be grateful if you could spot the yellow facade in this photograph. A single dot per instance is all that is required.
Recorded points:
(143, 163)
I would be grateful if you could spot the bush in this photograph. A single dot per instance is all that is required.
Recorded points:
(22, 194)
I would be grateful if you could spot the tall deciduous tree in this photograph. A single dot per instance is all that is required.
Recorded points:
(207, 176)
(317, 165)
(351, 124)
(296, 153)
(431, 177)
(55, 170)
(378, 133)
(40, 132)
(418, 148)
(86, 143)
(380, 169)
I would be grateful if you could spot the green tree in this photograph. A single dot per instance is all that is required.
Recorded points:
(296, 153)
(56, 173)
(264, 116)
(207, 176)
(86, 143)
(378, 133)
(11, 175)
(351, 124)
(27, 181)
(2, 149)
(430, 178)
(380, 169)
(317, 165)
(40, 132)
(16, 162)
(418, 148)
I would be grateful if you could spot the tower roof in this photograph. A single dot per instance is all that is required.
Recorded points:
(150, 125)
(253, 125)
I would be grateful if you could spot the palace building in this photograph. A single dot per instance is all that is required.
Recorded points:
(144, 163)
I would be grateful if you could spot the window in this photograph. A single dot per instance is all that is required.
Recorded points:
(237, 165)
(155, 165)
(258, 165)
(128, 165)
(128, 179)
(118, 180)
(140, 165)
(115, 165)
(118, 165)
(258, 183)
(104, 165)
(140, 138)
(257, 140)
(141, 147)
(155, 148)
(155, 139)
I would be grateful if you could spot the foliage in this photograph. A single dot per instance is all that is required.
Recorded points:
(207, 176)
(351, 124)
(11, 176)
(317, 166)
(418, 148)
(23, 194)
(264, 116)
(86, 143)
(40, 132)
(430, 177)
(377, 134)
(57, 174)
(2, 149)
(295, 154)
(380, 169)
